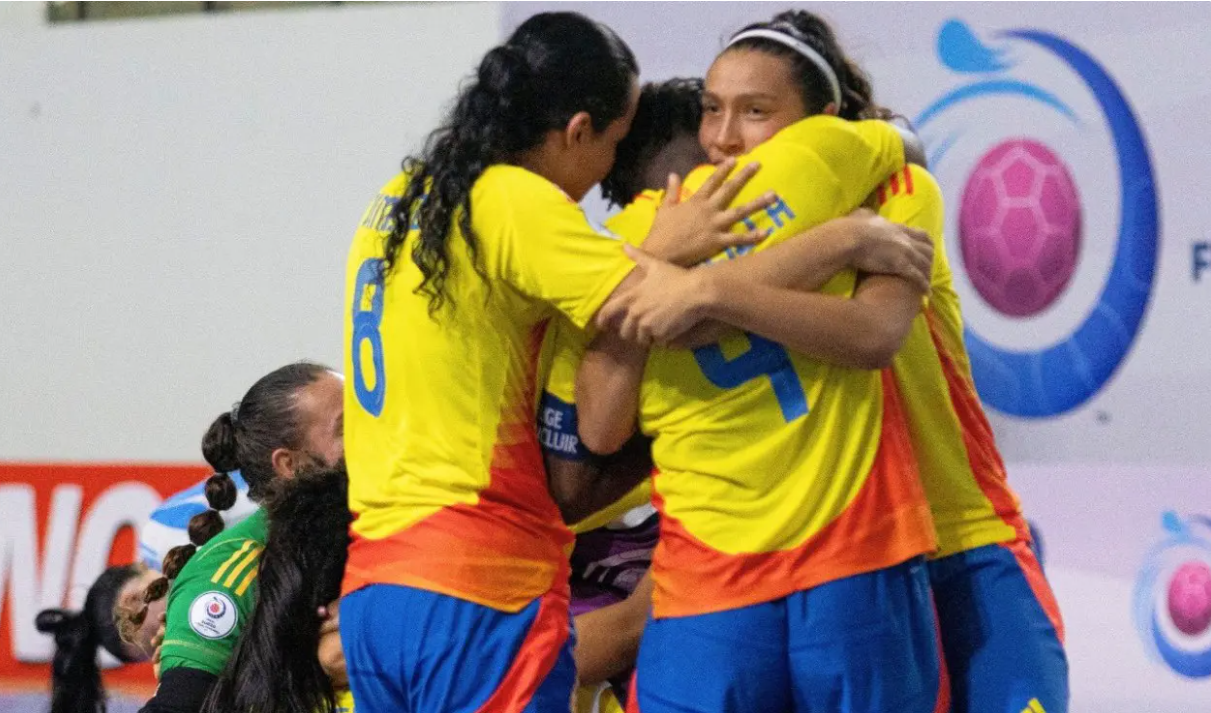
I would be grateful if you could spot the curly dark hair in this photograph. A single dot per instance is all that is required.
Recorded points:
(666, 111)
(857, 96)
(554, 66)
(274, 666)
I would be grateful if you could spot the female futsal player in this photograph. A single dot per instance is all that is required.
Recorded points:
(1000, 625)
(789, 572)
(289, 421)
(457, 561)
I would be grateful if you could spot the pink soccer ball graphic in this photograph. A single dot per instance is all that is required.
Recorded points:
(1190, 597)
(1020, 227)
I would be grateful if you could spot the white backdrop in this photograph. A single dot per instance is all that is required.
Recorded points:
(1098, 477)
(178, 196)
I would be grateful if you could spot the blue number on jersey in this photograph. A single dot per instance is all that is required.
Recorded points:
(366, 323)
(763, 358)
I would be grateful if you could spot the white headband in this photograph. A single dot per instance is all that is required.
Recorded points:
(802, 48)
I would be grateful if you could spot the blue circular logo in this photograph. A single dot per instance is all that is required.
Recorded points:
(1021, 229)
(1172, 601)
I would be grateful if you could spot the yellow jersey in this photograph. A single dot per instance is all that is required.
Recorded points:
(776, 472)
(446, 480)
(562, 352)
(961, 469)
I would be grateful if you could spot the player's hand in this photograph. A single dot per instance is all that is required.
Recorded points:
(330, 652)
(157, 643)
(330, 616)
(664, 304)
(886, 248)
(686, 232)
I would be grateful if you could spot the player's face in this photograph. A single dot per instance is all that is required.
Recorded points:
(130, 598)
(322, 408)
(594, 151)
(749, 97)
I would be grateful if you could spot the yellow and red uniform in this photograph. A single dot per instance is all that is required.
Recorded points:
(445, 474)
(777, 472)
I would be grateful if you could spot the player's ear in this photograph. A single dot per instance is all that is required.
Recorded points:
(831, 109)
(283, 462)
(579, 129)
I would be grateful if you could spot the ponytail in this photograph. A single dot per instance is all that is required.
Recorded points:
(274, 666)
(554, 66)
(221, 495)
(75, 677)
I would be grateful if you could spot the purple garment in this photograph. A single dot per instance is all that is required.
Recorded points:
(608, 562)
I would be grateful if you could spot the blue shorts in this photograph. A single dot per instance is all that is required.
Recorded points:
(415, 651)
(863, 644)
(1001, 631)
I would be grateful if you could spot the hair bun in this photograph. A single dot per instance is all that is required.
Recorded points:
(504, 70)
(219, 445)
(221, 492)
(52, 621)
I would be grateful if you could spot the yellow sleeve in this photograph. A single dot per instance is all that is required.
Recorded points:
(912, 197)
(633, 223)
(861, 154)
(557, 423)
(821, 167)
(546, 248)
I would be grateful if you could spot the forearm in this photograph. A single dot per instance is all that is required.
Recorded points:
(804, 262)
(607, 640)
(862, 332)
(583, 487)
(181, 690)
(607, 392)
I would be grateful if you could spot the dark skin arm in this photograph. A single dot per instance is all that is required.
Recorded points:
(583, 487)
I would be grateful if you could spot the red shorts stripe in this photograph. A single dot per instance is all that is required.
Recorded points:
(535, 659)
(1033, 572)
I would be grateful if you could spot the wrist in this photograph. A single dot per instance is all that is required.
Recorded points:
(712, 290)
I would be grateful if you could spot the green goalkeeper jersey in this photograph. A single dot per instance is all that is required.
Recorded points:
(212, 597)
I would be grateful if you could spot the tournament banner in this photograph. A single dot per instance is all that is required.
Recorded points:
(61, 525)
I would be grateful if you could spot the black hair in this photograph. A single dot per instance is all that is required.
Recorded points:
(554, 66)
(857, 100)
(275, 666)
(666, 111)
(75, 677)
(242, 439)
(267, 418)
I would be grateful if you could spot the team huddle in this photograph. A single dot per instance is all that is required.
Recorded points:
(723, 454)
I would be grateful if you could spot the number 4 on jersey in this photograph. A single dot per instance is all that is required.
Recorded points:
(763, 358)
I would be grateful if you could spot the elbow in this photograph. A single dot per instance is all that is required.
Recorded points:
(879, 350)
(601, 436)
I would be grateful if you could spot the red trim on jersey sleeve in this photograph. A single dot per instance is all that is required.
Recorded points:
(887, 523)
(908, 180)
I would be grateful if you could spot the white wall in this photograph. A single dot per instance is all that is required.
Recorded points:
(176, 199)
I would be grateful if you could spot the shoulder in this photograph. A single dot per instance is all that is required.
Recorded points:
(511, 192)
(909, 184)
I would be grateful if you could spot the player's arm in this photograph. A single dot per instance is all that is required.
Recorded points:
(867, 330)
(181, 690)
(607, 639)
(584, 486)
(581, 482)
(864, 331)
